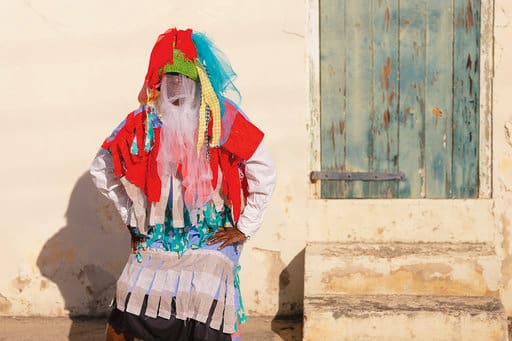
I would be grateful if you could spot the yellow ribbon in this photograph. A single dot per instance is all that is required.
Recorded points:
(208, 98)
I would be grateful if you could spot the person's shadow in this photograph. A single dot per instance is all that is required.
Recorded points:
(288, 321)
(85, 257)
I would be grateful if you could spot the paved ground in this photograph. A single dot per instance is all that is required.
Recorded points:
(55, 329)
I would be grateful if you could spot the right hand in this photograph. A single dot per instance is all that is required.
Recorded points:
(135, 242)
(136, 239)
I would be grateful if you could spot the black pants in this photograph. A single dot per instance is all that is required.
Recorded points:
(153, 329)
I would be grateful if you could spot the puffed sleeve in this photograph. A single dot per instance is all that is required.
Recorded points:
(102, 172)
(260, 173)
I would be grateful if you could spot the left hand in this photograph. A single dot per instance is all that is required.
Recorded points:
(227, 236)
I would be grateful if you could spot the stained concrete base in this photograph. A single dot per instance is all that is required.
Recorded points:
(56, 329)
(401, 268)
(404, 317)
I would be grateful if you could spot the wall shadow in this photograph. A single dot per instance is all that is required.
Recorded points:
(288, 321)
(85, 257)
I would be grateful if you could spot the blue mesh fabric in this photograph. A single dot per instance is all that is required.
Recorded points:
(217, 66)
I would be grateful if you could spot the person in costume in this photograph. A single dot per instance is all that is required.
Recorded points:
(191, 177)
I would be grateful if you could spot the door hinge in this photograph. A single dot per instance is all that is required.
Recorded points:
(354, 176)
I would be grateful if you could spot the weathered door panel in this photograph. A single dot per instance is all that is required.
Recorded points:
(411, 147)
(399, 90)
(385, 96)
(439, 99)
(332, 88)
(466, 98)
(359, 99)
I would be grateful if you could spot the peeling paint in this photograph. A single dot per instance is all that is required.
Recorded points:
(469, 16)
(506, 264)
(43, 285)
(415, 279)
(426, 317)
(333, 136)
(257, 297)
(505, 168)
(363, 305)
(5, 305)
(341, 127)
(391, 97)
(385, 73)
(386, 118)
(401, 268)
(508, 133)
(400, 249)
(387, 18)
(437, 112)
(20, 283)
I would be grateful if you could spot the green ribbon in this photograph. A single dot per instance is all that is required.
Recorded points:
(150, 132)
(240, 313)
(135, 148)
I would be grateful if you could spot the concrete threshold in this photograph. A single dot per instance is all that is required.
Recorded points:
(404, 317)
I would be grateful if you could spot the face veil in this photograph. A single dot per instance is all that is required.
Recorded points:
(177, 87)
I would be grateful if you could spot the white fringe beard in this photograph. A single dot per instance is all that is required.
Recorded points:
(178, 110)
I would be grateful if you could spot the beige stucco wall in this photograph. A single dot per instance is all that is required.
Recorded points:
(69, 74)
(502, 152)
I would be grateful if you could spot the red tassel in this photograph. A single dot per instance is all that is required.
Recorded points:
(185, 44)
(141, 170)
(231, 181)
(214, 165)
(161, 54)
(245, 185)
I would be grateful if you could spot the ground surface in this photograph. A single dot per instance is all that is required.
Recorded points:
(54, 329)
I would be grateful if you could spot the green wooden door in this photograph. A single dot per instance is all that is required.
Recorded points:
(399, 86)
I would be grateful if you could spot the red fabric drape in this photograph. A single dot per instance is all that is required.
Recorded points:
(141, 168)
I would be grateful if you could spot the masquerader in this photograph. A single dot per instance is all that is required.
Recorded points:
(191, 178)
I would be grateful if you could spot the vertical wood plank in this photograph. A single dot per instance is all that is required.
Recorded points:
(466, 98)
(332, 92)
(412, 98)
(385, 95)
(359, 101)
(438, 99)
